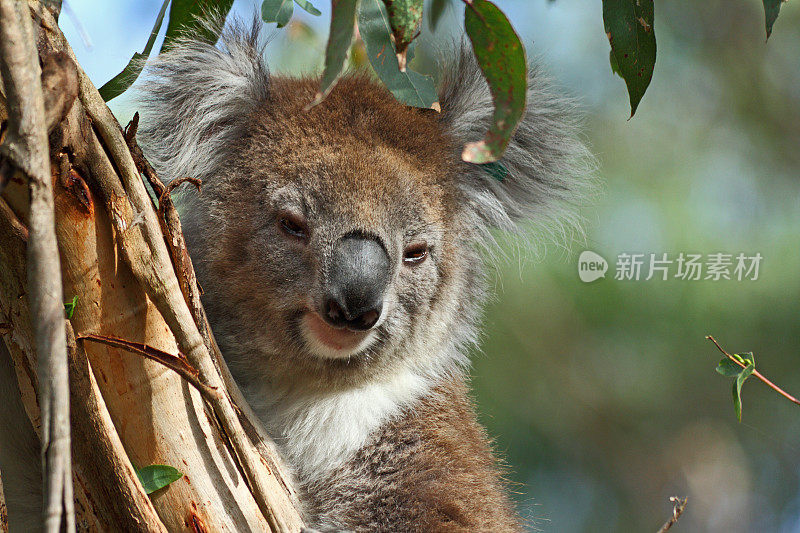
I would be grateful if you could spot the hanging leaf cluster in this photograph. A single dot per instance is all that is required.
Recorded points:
(388, 29)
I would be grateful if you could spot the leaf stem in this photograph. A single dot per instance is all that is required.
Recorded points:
(756, 373)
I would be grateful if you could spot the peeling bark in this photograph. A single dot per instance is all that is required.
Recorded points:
(25, 147)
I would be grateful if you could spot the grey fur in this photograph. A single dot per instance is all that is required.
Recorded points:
(198, 97)
(551, 170)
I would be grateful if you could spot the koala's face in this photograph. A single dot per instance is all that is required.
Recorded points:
(339, 243)
(337, 237)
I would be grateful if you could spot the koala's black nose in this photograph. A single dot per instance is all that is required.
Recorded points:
(357, 278)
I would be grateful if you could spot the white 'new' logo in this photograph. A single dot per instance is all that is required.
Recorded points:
(591, 266)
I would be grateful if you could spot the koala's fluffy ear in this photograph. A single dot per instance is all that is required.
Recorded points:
(197, 98)
(550, 170)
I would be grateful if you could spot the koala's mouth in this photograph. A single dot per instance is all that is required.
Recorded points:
(329, 342)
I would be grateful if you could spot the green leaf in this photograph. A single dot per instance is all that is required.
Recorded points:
(305, 4)
(69, 307)
(501, 57)
(186, 16)
(737, 389)
(771, 10)
(156, 477)
(343, 21)
(405, 17)
(737, 401)
(279, 11)
(629, 27)
(120, 83)
(435, 12)
(728, 368)
(614, 65)
(410, 88)
(496, 170)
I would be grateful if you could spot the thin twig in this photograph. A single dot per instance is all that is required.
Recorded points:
(756, 373)
(165, 198)
(177, 364)
(142, 163)
(679, 504)
(26, 146)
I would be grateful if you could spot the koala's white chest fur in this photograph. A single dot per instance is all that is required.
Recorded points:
(317, 432)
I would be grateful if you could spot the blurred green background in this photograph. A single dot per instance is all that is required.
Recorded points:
(602, 397)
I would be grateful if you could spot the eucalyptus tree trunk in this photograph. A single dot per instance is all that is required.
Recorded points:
(177, 405)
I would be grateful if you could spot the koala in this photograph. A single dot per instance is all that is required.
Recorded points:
(343, 254)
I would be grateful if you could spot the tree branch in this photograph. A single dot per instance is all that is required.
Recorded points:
(26, 147)
(756, 373)
(141, 242)
(184, 270)
(678, 506)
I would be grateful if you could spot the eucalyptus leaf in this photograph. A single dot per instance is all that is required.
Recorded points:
(405, 17)
(629, 28)
(771, 10)
(728, 368)
(155, 477)
(501, 57)
(279, 11)
(744, 374)
(737, 401)
(343, 20)
(122, 81)
(747, 357)
(69, 307)
(410, 88)
(737, 389)
(614, 65)
(308, 7)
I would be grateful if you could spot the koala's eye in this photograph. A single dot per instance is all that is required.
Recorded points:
(293, 226)
(415, 253)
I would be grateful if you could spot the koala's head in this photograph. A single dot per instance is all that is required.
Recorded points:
(338, 243)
